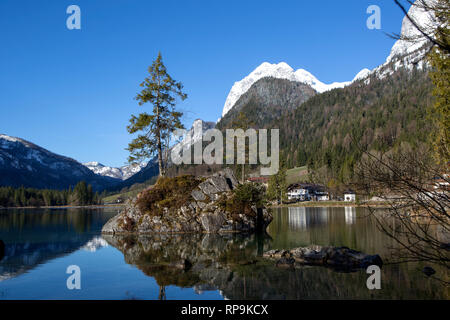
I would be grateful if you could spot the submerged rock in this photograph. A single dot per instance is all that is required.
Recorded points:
(429, 271)
(334, 257)
(199, 212)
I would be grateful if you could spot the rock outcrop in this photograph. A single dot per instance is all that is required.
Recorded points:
(200, 213)
(341, 258)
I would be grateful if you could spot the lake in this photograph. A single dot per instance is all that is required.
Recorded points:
(40, 244)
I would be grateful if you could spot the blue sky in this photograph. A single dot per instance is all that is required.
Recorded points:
(72, 91)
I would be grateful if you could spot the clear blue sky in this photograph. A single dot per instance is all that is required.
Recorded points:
(72, 91)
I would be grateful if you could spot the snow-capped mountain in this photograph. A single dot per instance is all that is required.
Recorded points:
(195, 133)
(95, 244)
(280, 71)
(152, 169)
(423, 18)
(121, 173)
(404, 54)
(23, 163)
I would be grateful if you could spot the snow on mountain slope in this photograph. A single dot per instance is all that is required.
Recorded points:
(125, 172)
(122, 173)
(23, 163)
(281, 71)
(404, 54)
(361, 75)
(410, 50)
(19, 153)
(425, 19)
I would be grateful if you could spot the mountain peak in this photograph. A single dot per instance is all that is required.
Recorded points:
(424, 19)
(279, 70)
(9, 138)
(361, 75)
(121, 173)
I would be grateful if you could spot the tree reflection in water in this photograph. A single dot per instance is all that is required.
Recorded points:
(233, 264)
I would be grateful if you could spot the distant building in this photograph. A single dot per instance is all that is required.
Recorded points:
(307, 192)
(262, 180)
(298, 193)
(322, 196)
(119, 200)
(349, 196)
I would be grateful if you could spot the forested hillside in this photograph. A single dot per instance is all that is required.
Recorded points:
(332, 128)
(329, 130)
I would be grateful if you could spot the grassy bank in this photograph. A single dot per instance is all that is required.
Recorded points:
(296, 175)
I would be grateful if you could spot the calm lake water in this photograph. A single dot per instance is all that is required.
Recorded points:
(41, 244)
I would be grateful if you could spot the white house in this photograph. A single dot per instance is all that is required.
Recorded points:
(349, 196)
(298, 193)
(322, 196)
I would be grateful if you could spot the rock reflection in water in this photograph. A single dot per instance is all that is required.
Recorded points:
(233, 265)
(203, 261)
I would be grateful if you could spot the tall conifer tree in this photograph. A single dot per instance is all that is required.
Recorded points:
(161, 91)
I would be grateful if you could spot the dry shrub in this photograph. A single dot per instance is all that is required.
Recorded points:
(170, 193)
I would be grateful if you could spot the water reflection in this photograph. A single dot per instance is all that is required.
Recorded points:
(350, 215)
(2, 250)
(298, 219)
(33, 238)
(162, 266)
(232, 264)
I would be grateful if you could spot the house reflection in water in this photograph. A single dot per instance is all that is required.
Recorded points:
(298, 219)
(350, 215)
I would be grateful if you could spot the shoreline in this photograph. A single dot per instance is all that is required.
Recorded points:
(311, 204)
(332, 204)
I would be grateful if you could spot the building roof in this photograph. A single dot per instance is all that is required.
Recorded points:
(258, 179)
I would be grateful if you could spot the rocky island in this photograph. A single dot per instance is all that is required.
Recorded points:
(188, 204)
(340, 258)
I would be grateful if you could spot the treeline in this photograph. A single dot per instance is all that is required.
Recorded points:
(81, 195)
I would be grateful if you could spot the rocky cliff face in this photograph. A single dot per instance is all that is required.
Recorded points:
(201, 212)
(266, 100)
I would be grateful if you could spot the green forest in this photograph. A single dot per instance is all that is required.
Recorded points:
(330, 131)
(81, 195)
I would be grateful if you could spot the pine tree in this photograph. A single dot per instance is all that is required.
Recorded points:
(440, 75)
(277, 183)
(242, 122)
(161, 91)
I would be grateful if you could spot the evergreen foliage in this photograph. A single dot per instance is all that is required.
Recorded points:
(161, 91)
(440, 76)
(81, 195)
